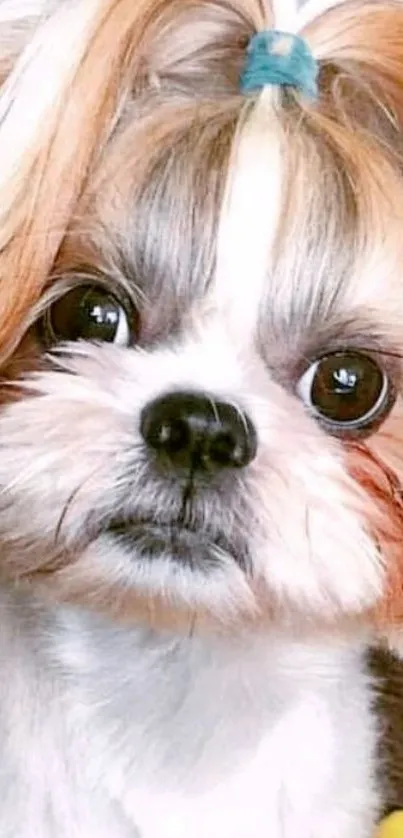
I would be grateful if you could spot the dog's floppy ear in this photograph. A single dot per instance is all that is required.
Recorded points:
(80, 62)
(359, 46)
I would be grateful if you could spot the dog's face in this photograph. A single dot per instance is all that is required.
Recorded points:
(218, 428)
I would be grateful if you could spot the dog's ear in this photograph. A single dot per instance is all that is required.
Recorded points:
(85, 56)
(359, 46)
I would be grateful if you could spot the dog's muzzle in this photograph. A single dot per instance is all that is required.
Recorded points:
(193, 441)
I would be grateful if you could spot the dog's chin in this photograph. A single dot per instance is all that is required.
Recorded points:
(177, 542)
(167, 575)
(162, 573)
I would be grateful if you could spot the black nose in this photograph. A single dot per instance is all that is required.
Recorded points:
(193, 432)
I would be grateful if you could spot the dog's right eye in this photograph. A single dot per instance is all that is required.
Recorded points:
(90, 313)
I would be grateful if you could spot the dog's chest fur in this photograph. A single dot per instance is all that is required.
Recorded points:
(110, 732)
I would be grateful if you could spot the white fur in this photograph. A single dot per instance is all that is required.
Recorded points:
(285, 15)
(297, 475)
(124, 733)
(12, 11)
(32, 93)
(312, 9)
(253, 192)
(116, 733)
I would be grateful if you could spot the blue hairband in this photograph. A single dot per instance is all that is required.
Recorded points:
(279, 58)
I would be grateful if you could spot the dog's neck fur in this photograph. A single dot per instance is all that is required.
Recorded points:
(127, 732)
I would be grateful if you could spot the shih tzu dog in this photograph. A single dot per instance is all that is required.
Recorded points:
(201, 445)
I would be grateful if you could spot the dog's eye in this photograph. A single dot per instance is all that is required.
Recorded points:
(346, 391)
(90, 313)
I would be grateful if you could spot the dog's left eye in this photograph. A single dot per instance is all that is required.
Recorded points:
(347, 391)
(90, 313)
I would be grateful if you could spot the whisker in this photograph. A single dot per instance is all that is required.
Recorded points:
(241, 414)
(192, 624)
(67, 506)
(214, 409)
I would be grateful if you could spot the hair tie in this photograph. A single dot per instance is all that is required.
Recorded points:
(280, 58)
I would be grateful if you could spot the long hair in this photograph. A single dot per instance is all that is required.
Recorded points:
(71, 71)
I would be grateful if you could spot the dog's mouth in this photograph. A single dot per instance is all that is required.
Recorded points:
(188, 545)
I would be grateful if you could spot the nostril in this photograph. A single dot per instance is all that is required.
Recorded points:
(224, 449)
(236, 445)
(171, 436)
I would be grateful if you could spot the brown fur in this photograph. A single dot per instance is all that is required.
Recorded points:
(387, 670)
(381, 483)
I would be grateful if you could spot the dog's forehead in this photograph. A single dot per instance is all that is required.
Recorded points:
(262, 227)
(249, 220)
(307, 243)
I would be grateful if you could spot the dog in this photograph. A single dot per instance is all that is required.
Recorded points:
(201, 455)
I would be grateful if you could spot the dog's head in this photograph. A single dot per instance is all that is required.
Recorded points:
(202, 309)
